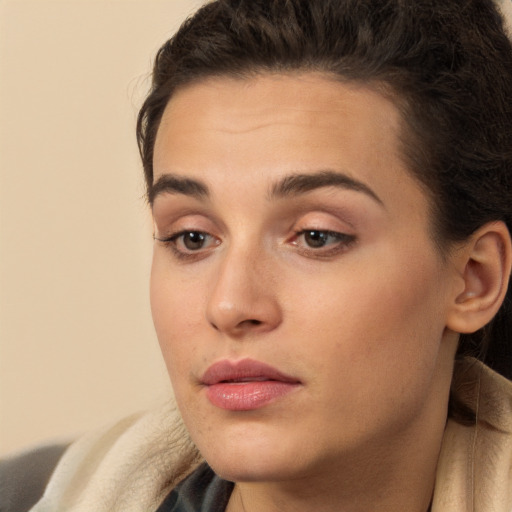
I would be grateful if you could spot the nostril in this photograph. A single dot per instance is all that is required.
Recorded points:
(244, 324)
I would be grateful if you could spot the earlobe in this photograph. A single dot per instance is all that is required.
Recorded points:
(485, 269)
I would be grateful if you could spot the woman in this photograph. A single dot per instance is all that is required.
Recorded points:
(331, 191)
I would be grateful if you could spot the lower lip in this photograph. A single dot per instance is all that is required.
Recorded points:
(247, 396)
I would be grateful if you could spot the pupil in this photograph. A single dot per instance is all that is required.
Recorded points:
(316, 238)
(193, 240)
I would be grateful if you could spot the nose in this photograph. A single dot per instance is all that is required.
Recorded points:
(243, 298)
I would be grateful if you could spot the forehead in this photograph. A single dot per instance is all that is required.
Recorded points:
(292, 91)
(247, 134)
(309, 101)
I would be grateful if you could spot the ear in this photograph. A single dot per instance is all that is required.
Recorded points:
(484, 263)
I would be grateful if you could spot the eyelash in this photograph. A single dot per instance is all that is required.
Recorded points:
(342, 243)
(172, 242)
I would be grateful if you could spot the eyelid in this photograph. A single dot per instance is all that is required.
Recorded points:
(343, 244)
(175, 221)
(171, 241)
(171, 215)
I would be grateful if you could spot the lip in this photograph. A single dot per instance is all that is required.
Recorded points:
(246, 384)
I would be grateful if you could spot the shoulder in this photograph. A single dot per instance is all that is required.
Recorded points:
(129, 466)
(486, 392)
(23, 477)
(475, 464)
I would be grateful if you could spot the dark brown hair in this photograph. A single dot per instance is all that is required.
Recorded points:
(447, 65)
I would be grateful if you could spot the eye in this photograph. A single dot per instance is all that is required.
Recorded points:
(189, 243)
(322, 242)
(316, 239)
(191, 240)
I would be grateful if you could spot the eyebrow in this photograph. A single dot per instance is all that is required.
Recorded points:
(291, 185)
(174, 184)
(297, 184)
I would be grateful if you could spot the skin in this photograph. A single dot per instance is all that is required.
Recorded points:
(361, 323)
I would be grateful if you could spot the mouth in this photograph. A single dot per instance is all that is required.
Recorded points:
(245, 385)
(246, 379)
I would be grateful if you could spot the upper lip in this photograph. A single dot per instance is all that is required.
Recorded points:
(245, 370)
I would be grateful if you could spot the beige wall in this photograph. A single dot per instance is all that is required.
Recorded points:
(77, 348)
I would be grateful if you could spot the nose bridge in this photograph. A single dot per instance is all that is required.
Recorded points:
(242, 296)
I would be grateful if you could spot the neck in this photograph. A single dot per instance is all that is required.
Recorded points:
(377, 487)
(398, 474)
(379, 484)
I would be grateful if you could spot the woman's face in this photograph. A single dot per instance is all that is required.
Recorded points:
(298, 298)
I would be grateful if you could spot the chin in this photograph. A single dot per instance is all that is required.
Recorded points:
(255, 469)
(255, 456)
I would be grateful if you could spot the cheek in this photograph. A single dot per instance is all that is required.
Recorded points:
(175, 315)
(176, 319)
(374, 355)
(374, 321)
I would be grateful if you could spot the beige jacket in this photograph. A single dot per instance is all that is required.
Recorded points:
(132, 466)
